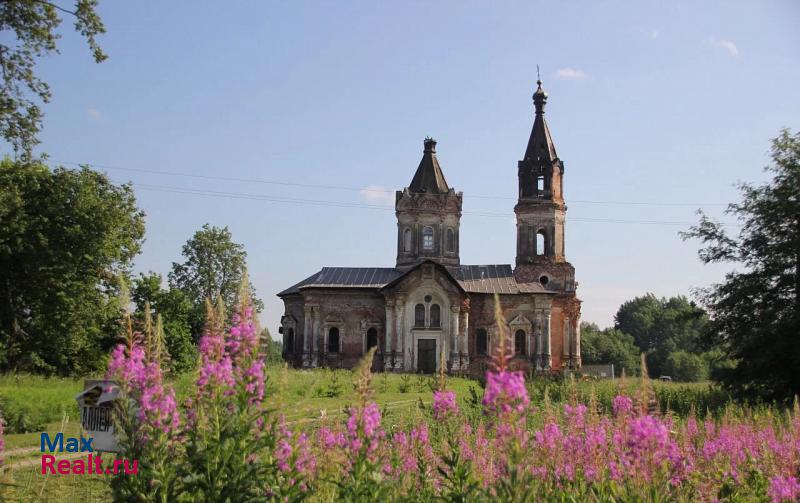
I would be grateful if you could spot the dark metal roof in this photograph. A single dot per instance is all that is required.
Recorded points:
(493, 278)
(429, 177)
(472, 278)
(347, 277)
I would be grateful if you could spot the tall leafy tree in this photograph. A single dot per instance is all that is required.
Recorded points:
(755, 312)
(176, 312)
(29, 29)
(66, 237)
(214, 266)
(609, 346)
(661, 326)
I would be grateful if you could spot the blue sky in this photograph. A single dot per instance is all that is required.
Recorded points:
(665, 103)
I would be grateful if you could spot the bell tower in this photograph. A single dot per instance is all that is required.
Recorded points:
(428, 215)
(540, 208)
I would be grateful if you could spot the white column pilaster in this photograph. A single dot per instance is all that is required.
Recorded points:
(306, 336)
(400, 337)
(388, 347)
(546, 357)
(455, 334)
(538, 329)
(577, 342)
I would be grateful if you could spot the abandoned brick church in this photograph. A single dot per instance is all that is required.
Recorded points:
(431, 308)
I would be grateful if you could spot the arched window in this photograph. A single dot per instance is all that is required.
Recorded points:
(540, 185)
(407, 240)
(333, 340)
(427, 238)
(519, 342)
(288, 347)
(541, 243)
(481, 342)
(451, 240)
(436, 316)
(372, 338)
(419, 315)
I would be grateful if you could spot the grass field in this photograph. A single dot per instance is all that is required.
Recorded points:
(306, 399)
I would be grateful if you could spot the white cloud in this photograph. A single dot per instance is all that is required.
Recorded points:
(94, 113)
(375, 194)
(570, 74)
(727, 45)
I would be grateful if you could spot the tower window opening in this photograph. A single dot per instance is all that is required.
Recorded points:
(407, 240)
(427, 238)
(451, 240)
(540, 184)
(540, 243)
(419, 315)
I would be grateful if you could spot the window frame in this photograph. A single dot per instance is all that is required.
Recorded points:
(416, 315)
(520, 350)
(428, 239)
(338, 340)
(438, 316)
(485, 350)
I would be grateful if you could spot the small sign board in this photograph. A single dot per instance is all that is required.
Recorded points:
(96, 405)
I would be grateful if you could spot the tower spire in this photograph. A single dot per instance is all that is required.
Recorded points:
(540, 144)
(429, 177)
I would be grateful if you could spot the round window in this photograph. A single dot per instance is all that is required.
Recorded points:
(428, 298)
(544, 280)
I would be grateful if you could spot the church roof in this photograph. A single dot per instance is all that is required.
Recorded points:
(429, 177)
(491, 278)
(347, 277)
(540, 144)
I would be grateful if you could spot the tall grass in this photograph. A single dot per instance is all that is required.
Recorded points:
(28, 402)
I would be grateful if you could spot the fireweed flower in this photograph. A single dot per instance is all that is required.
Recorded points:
(444, 404)
(505, 392)
(143, 381)
(783, 489)
(622, 405)
(364, 426)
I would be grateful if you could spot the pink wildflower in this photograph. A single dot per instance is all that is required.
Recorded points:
(782, 489)
(622, 405)
(444, 404)
(505, 392)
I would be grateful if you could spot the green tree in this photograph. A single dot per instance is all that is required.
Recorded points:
(66, 237)
(213, 267)
(755, 312)
(609, 346)
(661, 326)
(273, 350)
(683, 366)
(30, 29)
(176, 311)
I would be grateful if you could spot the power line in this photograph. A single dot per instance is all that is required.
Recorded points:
(366, 189)
(344, 204)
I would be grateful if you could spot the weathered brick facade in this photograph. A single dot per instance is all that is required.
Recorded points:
(429, 307)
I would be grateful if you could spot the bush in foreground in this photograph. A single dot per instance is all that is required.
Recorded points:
(225, 444)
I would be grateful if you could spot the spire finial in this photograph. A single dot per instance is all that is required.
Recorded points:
(539, 97)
